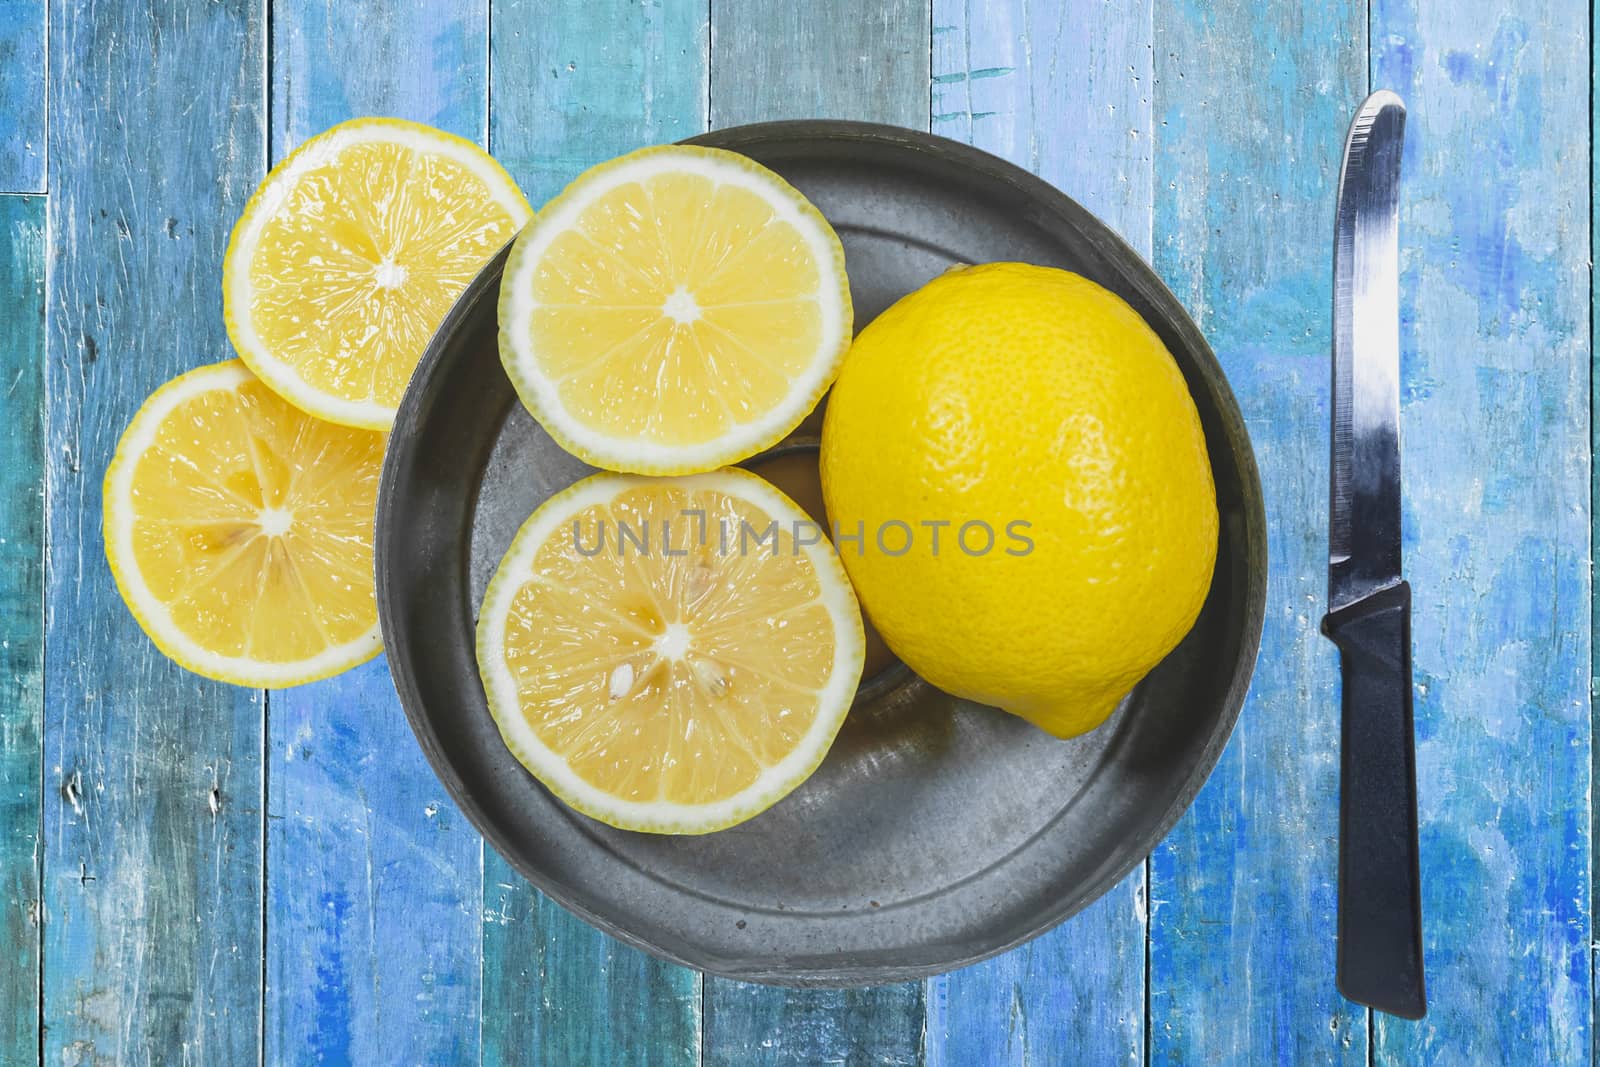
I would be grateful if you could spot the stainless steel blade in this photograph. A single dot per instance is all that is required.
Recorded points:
(1364, 496)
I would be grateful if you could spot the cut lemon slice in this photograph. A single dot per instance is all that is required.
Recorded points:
(674, 310)
(348, 256)
(239, 530)
(672, 655)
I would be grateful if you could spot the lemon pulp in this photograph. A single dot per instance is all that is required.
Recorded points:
(674, 310)
(350, 254)
(665, 654)
(239, 530)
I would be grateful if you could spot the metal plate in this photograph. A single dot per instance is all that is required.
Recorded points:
(936, 832)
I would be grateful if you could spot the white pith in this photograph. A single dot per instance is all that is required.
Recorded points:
(834, 696)
(262, 208)
(539, 390)
(150, 611)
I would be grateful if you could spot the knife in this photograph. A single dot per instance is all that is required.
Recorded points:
(1369, 603)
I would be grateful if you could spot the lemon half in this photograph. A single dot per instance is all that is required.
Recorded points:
(668, 692)
(239, 530)
(674, 310)
(347, 258)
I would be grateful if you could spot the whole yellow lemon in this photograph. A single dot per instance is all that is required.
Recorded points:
(1020, 490)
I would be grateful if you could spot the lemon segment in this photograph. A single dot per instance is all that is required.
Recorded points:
(239, 531)
(349, 255)
(674, 310)
(665, 654)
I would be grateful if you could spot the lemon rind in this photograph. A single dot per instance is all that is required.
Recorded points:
(152, 615)
(269, 197)
(628, 453)
(774, 783)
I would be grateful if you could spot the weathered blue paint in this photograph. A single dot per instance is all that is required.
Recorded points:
(1039, 82)
(151, 778)
(333, 61)
(373, 875)
(153, 806)
(576, 83)
(771, 59)
(1075, 995)
(372, 885)
(562, 992)
(572, 85)
(774, 59)
(22, 96)
(332, 1040)
(21, 618)
(1034, 83)
(1495, 297)
(760, 1025)
(1251, 107)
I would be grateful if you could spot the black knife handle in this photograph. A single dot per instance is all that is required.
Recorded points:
(1380, 888)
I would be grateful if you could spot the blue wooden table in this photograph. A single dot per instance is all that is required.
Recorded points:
(196, 874)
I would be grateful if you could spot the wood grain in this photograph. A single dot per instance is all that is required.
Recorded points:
(333, 61)
(152, 867)
(22, 96)
(769, 60)
(556, 990)
(22, 221)
(373, 886)
(1217, 154)
(1495, 298)
(1250, 112)
(1061, 87)
(573, 85)
(755, 1025)
(373, 875)
(776, 59)
(1037, 83)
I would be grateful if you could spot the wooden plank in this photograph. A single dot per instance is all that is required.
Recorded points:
(775, 59)
(572, 85)
(21, 619)
(753, 1024)
(771, 59)
(424, 62)
(1061, 87)
(1034, 83)
(372, 886)
(1078, 989)
(373, 875)
(1495, 298)
(1250, 107)
(558, 991)
(152, 867)
(575, 84)
(22, 96)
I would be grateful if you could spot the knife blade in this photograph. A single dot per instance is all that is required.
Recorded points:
(1364, 497)
(1380, 961)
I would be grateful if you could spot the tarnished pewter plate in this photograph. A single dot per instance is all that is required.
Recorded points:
(937, 832)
